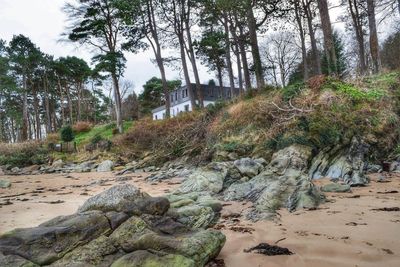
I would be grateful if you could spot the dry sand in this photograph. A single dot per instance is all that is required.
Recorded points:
(343, 232)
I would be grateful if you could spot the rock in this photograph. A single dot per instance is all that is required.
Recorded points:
(143, 258)
(113, 199)
(248, 167)
(86, 166)
(50, 241)
(283, 183)
(97, 253)
(1, 171)
(105, 166)
(8, 260)
(373, 168)
(336, 188)
(5, 183)
(58, 164)
(195, 216)
(342, 162)
(15, 170)
(261, 161)
(203, 180)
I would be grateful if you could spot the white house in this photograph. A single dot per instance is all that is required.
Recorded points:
(180, 100)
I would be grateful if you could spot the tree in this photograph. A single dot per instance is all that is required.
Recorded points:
(97, 23)
(341, 66)
(328, 36)
(373, 36)
(211, 49)
(24, 57)
(153, 94)
(390, 52)
(283, 55)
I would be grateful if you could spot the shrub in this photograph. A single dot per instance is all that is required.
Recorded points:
(96, 139)
(82, 127)
(292, 90)
(23, 154)
(67, 134)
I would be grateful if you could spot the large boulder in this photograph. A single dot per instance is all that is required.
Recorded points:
(281, 184)
(121, 227)
(113, 199)
(50, 241)
(347, 163)
(105, 166)
(248, 167)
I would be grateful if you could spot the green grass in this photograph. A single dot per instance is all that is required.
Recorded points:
(105, 131)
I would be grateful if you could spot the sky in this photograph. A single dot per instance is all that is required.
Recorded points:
(43, 21)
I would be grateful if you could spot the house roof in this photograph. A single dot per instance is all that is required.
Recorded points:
(210, 93)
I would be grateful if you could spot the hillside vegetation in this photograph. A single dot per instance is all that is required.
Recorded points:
(320, 113)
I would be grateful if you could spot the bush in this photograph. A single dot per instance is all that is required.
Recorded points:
(67, 134)
(82, 127)
(23, 154)
(292, 90)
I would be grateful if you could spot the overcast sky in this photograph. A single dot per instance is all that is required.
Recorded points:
(43, 21)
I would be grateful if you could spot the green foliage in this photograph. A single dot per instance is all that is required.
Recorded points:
(282, 141)
(354, 92)
(67, 134)
(23, 154)
(292, 90)
(236, 146)
(340, 55)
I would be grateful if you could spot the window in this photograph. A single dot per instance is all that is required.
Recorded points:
(186, 92)
(186, 108)
(163, 115)
(183, 93)
(156, 117)
(176, 95)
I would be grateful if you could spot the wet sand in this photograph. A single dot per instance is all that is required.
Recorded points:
(345, 231)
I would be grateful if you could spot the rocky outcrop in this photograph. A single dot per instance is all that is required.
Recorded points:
(120, 227)
(336, 188)
(346, 163)
(248, 167)
(283, 183)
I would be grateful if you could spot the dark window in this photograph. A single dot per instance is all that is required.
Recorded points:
(176, 95)
(186, 108)
(183, 93)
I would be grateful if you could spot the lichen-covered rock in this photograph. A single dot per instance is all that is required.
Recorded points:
(336, 188)
(113, 199)
(121, 227)
(282, 184)
(97, 253)
(143, 258)
(105, 166)
(5, 184)
(203, 180)
(347, 163)
(248, 167)
(52, 240)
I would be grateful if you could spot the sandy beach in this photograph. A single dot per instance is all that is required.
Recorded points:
(345, 231)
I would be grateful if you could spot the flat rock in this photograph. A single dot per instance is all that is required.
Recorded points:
(248, 167)
(336, 188)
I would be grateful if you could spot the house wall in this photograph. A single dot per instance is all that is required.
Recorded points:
(175, 110)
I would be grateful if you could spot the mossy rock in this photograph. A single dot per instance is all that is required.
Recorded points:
(143, 258)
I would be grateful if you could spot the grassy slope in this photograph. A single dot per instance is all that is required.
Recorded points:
(105, 131)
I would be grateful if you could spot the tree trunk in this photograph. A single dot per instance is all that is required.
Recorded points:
(37, 116)
(186, 72)
(358, 28)
(239, 68)
(220, 80)
(328, 36)
(24, 128)
(228, 55)
(192, 59)
(47, 104)
(302, 39)
(118, 105)
(69, 105)
(242, 47)
(314, 48)
(373, 36)
(252, 25)
(79, 108)
(61, 101)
